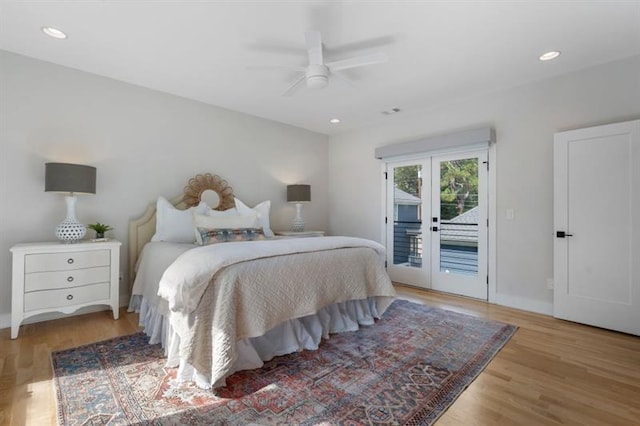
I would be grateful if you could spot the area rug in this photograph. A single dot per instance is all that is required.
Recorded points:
(407, 368)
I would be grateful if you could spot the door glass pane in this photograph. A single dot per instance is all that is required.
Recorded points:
(407, 216)
(459, 216)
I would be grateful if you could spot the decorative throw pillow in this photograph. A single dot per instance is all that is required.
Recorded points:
(212, 236)
(262, 211)
(203, 224)
(219, 213)
(173, 225)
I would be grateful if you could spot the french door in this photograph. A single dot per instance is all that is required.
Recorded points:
(437, 222)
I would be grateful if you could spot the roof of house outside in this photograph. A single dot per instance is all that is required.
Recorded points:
(403, 197)
(466, 231)
(470, 216)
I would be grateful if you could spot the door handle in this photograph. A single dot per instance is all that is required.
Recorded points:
(562, 234)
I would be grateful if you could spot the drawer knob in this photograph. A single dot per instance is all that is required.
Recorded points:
(70, 279)
(70, 297)
(70, 260)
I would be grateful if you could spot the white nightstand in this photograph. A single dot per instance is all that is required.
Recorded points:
(50, 277)
(299, 234)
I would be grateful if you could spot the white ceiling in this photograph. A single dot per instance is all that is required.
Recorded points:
(439, 51)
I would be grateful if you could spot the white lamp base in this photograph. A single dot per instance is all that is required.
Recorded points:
(70, 230)
(298, 223)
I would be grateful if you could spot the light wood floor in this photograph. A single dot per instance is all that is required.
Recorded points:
(551, 372)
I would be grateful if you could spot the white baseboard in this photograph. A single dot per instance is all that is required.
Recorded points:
(5, 319)
(525, 304)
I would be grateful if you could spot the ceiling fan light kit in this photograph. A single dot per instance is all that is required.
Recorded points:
(317, 76)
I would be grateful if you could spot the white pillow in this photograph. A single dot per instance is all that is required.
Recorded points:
(207, 222)
(173, 225)
(262, 210)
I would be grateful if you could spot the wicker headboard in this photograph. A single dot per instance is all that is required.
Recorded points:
(142, 229)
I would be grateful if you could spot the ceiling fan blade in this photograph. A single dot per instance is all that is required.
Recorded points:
(295, 86)
(360, 45)
(275, 67)
(342, 78)
(314, 47)
(358, 61)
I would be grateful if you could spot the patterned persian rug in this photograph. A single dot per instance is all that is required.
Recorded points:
(407, 368)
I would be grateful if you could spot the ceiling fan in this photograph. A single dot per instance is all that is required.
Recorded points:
(316, 75)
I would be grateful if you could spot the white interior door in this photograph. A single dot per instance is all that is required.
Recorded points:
(596, 212)
(436, 222)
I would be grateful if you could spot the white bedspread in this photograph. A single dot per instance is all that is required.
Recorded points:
(184, 282)
(255, 300)
(247, 299)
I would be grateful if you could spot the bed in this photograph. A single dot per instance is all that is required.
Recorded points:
(243, 296)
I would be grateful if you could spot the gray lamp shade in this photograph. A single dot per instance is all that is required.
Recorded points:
(64, 177)
(298, 193)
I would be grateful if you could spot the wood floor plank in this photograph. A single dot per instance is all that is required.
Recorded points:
(26, 389)
(581, 375)
(551, 372)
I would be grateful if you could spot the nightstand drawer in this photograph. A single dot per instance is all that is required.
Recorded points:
(63, 279)
(66, 260)
(47, 299)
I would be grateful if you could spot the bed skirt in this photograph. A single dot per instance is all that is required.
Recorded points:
(291, 336)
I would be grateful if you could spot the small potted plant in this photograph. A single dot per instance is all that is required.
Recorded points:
(100, 229)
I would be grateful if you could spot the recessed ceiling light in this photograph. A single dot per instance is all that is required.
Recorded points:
(54, 32)
(549, 55)
(334, 121)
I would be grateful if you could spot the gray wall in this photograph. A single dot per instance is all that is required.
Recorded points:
(144, 144)
(525, 119)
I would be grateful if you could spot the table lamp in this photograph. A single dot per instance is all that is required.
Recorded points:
(70, 179)
(298, 194)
